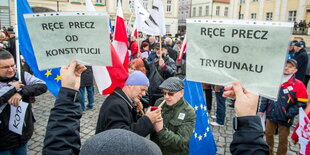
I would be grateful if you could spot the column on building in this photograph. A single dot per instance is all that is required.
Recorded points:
(261, 10)
(247, 9)
(234, 7)
(283, 10)
(277, 10)
(301, 10)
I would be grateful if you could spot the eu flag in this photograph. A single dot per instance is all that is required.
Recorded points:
(202, 141)
(50, 76)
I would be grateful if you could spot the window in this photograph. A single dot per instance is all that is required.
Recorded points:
(217, 13)
(144, 3)
(200, 11)
(255, 0)
(253, 15)
(169, 5)
(131, 4)
(167, 28)
(242, 1)
(226, 12)
(194, 12)
(99, 1)
(292, 15)
(269, 16)
(207, 10)
(241, 16)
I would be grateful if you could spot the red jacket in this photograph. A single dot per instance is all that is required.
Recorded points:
(134, 48)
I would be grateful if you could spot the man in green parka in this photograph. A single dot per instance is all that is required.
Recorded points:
(173, 133)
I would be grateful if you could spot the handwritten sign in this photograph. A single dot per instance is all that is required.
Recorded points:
(17, 117)
(58, 38)
(252, 52)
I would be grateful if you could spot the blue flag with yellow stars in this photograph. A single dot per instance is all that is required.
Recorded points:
(51, 76)
(202, 141)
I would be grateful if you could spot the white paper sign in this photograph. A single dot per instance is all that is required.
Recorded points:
(17, 117)
(57, 38)
(252, 52)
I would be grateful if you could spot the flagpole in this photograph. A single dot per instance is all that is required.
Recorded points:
(17, 44)
(160, 56)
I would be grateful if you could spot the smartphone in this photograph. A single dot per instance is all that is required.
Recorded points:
(154, 108)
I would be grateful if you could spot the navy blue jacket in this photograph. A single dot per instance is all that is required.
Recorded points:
(302, 60)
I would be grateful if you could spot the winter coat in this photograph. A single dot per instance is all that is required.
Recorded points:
(157, 77)
(302, 60)
(292, 95)
(87, 77)
(33, 87)
(63, 128)
(118, 112)
(179, 121)
(248, 137)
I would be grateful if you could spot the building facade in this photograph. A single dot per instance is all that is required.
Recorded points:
(274, 10)
(184, 13)
(210, 9)
(109, 6)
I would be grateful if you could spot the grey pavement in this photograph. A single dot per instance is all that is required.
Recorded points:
(222, 135)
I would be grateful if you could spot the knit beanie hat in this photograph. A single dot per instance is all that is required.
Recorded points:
(172, 84)
(137, 78)
(119, 142)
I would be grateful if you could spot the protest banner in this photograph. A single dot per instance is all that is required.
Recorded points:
(58, 38)
(252, 52)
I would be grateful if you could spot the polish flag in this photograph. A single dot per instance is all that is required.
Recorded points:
(110, 77)
(182, 51)
(120, 41)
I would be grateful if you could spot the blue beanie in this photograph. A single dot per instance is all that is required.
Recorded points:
(137, 78)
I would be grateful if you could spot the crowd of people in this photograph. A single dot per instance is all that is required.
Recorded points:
(301, 27)
(151, 104)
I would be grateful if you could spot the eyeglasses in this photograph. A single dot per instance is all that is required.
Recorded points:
(7, 67)
(169, 93)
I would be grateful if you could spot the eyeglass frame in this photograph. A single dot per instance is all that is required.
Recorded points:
(169, 93)
(8, 67)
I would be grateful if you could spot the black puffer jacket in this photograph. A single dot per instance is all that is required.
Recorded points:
(33, 87)
(63, 128)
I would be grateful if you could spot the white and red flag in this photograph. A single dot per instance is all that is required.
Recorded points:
(182, 51)
(302, 131)
(110, 77)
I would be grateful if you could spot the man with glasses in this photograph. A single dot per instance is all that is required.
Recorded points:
(174, 132)
(12, 91)
(118, 110)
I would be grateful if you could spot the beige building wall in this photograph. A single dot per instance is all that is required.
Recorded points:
(212, 9)
(109, 6)
(279, 9)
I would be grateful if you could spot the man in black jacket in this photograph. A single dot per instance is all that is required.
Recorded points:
(12, 91)
(118, 111)
(160, 69)
(248, 138)
(302, 59)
